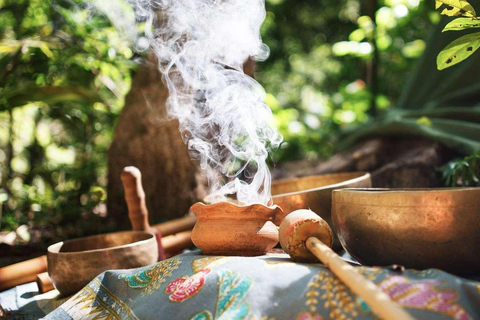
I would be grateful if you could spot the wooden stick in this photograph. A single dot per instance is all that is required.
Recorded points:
(379, 302)
(22, 272)
(175, 226)
(174, 244)
(137, 208)
(44, 282)
(135, 198)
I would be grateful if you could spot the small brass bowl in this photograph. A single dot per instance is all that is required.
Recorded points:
(416, 228)
(314, 192)
(74, 263)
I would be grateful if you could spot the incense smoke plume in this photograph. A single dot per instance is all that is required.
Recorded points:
(201, 46)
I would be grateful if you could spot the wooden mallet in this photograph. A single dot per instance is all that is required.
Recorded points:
(137, 208)
(305, 237)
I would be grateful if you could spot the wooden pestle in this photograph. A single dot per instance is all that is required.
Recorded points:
(44, 283)
(298, 237)
(135, 198)
(137, 208)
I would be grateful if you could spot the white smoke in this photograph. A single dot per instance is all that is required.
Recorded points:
(201, 46)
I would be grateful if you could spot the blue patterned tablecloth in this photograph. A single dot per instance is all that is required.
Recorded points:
(198, 287)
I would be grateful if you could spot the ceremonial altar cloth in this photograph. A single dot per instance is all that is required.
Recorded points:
(198, 287)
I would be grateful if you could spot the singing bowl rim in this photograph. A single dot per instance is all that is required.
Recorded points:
(403, 190)
(407, 197)
(54, 248)
(357, 176)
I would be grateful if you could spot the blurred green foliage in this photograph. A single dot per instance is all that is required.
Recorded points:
(64, 72)
(463, 172)
(316, 76)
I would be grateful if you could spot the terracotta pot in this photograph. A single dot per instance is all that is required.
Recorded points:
(228, 229)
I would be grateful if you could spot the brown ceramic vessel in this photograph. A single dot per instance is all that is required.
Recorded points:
(416, 228)
(228, 229)
(74, 263)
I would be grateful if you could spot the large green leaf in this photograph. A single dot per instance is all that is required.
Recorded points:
(453, 127)
(462, 24)
(456, 8)
(458, 50)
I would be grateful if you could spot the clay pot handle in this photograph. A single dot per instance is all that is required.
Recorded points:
(135, 198)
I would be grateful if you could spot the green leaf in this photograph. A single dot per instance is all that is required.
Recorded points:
(456, 8)
(46, 50)
(462, 24)
(458, 50)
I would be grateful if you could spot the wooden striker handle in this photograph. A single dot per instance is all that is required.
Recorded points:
(22, 272)
(44, 282)
(135, 198)
(379, 302)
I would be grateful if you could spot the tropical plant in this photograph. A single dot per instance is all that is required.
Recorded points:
(321, 56)
(463, 172)
(463, 47)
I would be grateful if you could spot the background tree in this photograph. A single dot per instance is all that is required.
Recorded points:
(146, 139)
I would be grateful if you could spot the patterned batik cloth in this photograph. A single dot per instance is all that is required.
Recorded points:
(197, 287)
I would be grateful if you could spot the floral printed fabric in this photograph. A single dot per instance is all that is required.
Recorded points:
(271, 287)
(185, 287)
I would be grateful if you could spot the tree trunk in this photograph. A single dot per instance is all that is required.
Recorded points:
(146, 139)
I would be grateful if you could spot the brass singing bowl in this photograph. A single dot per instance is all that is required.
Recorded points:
(74, 263)
(315, 193)
(416, 228)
